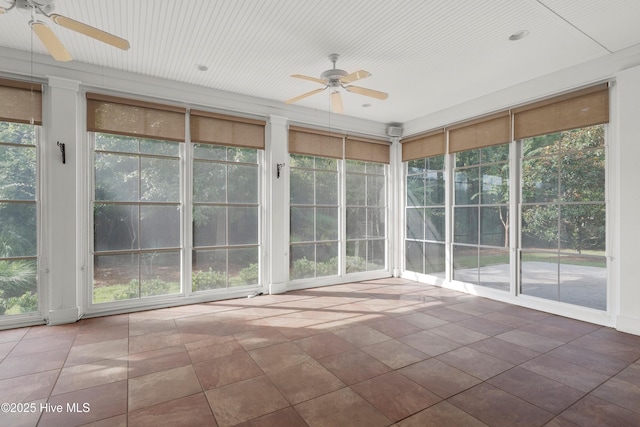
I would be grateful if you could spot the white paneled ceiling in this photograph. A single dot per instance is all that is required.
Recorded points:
(428, 55)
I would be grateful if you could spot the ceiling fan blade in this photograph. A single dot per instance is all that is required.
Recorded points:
(313, 79)
(51, 42)
(90, 31)
(336, 103)
(367, 92)
(303, 96)
(350, 78)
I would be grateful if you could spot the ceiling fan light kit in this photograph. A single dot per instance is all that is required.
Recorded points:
(335, 79)
(49, 39)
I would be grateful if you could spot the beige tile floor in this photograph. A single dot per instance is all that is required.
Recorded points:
(376, 353)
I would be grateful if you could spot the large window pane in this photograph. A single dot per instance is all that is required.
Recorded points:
(136, 210)
(226, 213)
(565, 238)
(426, 222)
(18, 219)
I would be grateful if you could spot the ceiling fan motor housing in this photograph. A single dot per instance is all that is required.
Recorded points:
(333, 77)
(45, 6)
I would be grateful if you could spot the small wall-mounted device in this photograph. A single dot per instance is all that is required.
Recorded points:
(62, 151)
(279, 167)
(394, 131)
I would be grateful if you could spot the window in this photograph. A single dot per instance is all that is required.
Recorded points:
(314, 216)
(563, 217)
(225, 217)
(136, 218)
(560, 232)
(20, 120)
(481, 217)
(425, 231)
(18, 218)
(365, 216)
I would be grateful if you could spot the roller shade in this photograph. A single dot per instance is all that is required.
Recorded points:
(578, 109)
(131, 117)
(315, 143)
(482, 132)
(21, 102)
(368, 150)
(212, 128)
(426, 145)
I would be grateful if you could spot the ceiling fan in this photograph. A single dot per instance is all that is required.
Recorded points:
(48, 37)
(334, 79)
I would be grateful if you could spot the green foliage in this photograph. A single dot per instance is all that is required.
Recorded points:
(136, 289)
(26, 303)
(355, 264)
(249, 275)
(204, 280)
(305, 268)
(17, 278)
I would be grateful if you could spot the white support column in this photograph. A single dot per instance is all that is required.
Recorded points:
(396, 191)
(277, 205)
(61, 124)
(626, 200)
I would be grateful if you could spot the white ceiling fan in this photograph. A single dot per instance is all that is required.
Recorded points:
(334, 79)
(48, 38)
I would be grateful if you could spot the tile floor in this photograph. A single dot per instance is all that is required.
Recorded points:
(376, 353)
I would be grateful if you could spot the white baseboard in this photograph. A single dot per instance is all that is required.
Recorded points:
(60, 317)
(629, 325)
(277, 288)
